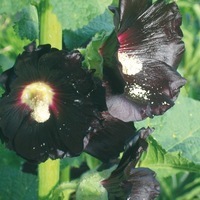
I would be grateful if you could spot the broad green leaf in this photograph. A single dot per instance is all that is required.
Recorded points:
(166, 163)
(27, 25)
(80, 37)
(15, 184)
(76, 14)
(9, 157)
(10, 7)
(179, 128)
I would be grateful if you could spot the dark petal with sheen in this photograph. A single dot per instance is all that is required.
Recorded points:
(150, 49)
(150, 92)
(155, 34)
(130, 10)
(128, 182)
(72, 109)
(108, 137)
(144, 184)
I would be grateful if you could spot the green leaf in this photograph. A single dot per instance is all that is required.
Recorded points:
(72, 161)
(93, 60)
(9, 157)
(15, 184)
(181, 186)
(76, 14)
(166, 163)
(11, 44)
(5, 62)
(10, 7)
(178, 129)
(91, 161)
(27, 25)
(79, 38)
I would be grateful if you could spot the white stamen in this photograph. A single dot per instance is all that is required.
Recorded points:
(136, 90)
(131, 64)
(38, 96)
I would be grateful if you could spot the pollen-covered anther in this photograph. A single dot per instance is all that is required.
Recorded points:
(131, 64)
(137, 91)
(38, 96)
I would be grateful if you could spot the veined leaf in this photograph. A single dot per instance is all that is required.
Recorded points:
(166, 163)
(178, 129)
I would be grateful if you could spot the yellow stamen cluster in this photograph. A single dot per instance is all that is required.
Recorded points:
(38, 96)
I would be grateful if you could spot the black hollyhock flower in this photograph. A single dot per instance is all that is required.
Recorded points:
(108, 137)
(47, 108)
(52, 107)
(141, 58)
(128, 182)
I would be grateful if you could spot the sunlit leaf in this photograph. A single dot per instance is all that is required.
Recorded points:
(179, 129)
(78, 13)
(80, 37)
(166, 163)
(11, 7)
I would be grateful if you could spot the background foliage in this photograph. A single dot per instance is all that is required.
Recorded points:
(174, 150)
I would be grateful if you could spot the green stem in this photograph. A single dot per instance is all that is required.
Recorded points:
(50, 33)
(48, 174)
(50, 28)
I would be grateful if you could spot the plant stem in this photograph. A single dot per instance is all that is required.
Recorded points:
(50, 28)
(50, 33)
(48, 174)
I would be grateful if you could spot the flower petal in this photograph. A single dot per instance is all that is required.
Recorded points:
(150, 49)
(155, 34)
(144, 185)
(108, 137)
(66, 92)
(128, 182)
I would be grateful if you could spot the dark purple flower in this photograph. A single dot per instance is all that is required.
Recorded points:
(128, 182)
(141, 58)
(53, 107)
(46, 110)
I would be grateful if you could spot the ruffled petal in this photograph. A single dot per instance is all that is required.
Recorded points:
(149, 50)
(108, 137)
(128, 182)
(155, 34)
(55, 128)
